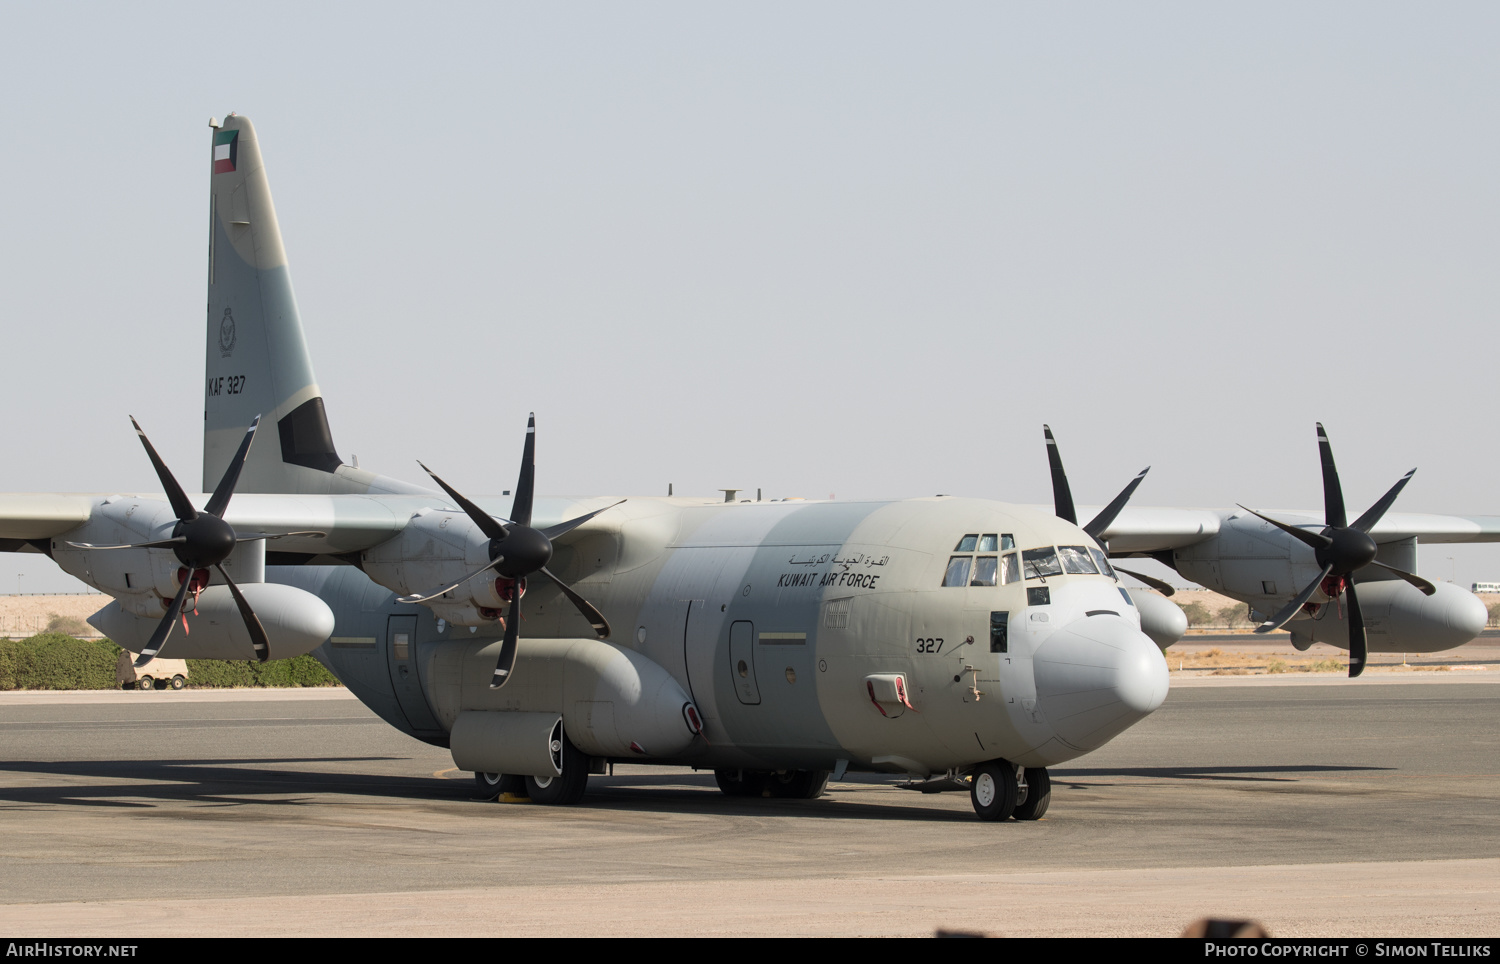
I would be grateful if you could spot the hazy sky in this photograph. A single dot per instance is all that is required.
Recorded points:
(863, 249)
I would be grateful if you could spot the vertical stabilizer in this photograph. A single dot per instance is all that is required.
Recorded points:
(257, 361)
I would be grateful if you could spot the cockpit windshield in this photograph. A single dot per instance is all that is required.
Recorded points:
(1041, 562)
(1075, 560)
(1102, 561)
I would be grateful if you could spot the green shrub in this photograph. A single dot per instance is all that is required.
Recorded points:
(1197, 614)
(68, 626)
(297, 671)
(55, 661)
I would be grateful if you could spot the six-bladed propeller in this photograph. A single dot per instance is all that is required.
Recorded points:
(1062, 500)
(1341, 550)
(516, 551)
(200, 540)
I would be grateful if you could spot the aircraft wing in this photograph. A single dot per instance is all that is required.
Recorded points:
(1156, 529)
(341, 523)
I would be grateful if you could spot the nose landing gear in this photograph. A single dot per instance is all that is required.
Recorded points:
(999, 790)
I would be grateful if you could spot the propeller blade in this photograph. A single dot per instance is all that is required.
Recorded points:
(520, 509)
(562, 528)
(1290, 609)
(1359, 644)
(507, 660)
(1411, 577)
(1164, 588)
(257, 632)
(487, 523)
(163, 544)
(164, 628)
(1062, 496)
(1315, 540)
(1333, 493)
(1101, 521)
(433, 595)
(1373, 514)
(180, 504)
(255, 536)
(595, 617)
(219, 501)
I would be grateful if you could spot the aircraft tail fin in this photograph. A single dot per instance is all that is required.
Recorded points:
(257, 361)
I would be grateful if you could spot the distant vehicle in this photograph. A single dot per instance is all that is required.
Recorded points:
(1486, 587)
(161, 674)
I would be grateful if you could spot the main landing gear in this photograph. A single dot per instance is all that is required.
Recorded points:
(999, 790)
(565, 788)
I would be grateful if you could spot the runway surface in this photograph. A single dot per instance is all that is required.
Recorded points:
(1317, 805)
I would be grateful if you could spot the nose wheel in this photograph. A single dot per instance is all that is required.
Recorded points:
(999, 790)
(992, 789)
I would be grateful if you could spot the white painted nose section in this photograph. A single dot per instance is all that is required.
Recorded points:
(1097, 676)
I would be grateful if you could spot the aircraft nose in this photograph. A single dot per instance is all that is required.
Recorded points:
(1097, 676)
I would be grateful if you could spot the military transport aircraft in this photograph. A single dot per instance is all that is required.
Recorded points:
(966, 643)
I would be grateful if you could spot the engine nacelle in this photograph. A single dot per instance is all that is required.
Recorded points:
(1398, 619)
(435, 548)
(144, 580)
(296, 622)
(1249, 557)
(1161, 619)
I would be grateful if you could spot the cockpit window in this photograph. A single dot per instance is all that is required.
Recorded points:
(966, 544)
(989, 542)
(1010, 569)
(1102, 561)
(985, 568)
(958, 570)
(1075, 560)
(1041, 562)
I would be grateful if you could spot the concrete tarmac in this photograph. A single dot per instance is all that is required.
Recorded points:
(1317, 805)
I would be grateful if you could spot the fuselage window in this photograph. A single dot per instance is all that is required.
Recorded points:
(1102, 561)
(966, 544)
(989, 542)
(958, 571)
(1075, 559)
(1041, 562)
(1010, 569)
(985, 568)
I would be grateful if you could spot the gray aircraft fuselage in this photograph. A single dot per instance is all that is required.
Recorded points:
(774, 616)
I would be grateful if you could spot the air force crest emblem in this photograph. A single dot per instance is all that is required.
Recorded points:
(226, 334)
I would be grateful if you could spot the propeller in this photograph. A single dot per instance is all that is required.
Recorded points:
(517, 551)
(1062, 500)
(1341, 550)
(201, 541)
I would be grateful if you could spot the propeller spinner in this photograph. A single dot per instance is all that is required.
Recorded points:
(1341, 550)
(516, 551)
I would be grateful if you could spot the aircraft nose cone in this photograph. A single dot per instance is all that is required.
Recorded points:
(1097, 676)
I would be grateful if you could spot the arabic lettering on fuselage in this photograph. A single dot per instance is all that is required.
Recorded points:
(844, 575)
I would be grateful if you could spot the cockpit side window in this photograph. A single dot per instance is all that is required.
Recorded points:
(958, 571)
(1010, 568)
(966, 544)
(985, 568)
(1102, 561)
(1041, 562)
(1075, 560)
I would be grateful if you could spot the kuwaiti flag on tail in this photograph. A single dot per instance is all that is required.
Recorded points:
(226, 147)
